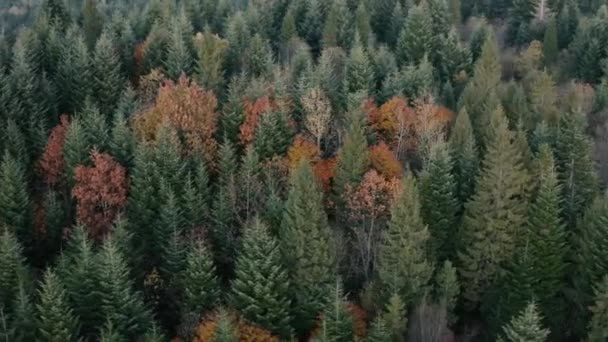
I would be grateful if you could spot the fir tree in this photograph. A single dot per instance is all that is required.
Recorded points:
(15, 144)
(57, 320)
(362, 20)
(438, 190)
(258, 57)
(201, 289)
(339, 26)
(447, 289)
(225, 330)
(92, 22)
(381, 10)
(522, 13)
(305, 239)
(395, 316)
(122, 140)
(592, 256)
(54, 214)
(13, 271)
(525, 327)
(73, 73)
(416, 38)
(273, 135)
(15, 207)
(567, 22)
(598, 327)
(260, 290)
(403, 266)
(494, 215)
(337, 324)
(550, 41)
(179, 59)
(451, 57)
(57, 11)
(378, 331)
(76, 148)
(107, 82)
(169, 225)
(23, 324)
(359, 72)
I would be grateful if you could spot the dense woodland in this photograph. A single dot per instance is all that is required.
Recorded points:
(312, 170)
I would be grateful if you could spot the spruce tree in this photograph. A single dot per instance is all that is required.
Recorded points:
(121, 304)
(57, 321)
(416, 38)
(395, 316)
(403, 265)
(381, 10)
(179, 59)
(23, 324)
(92, 22)
(76, 148)
(169, 225)
(73, 73)
(57, 11)
(526, 326)
(258, 57)
(522, 13)
(15, 206)
(359, 72)
(378, 331)
(591, 252)
(107, 82)
(13, 271)
(260, 290)
(550, 47)
(463, 151)
(337, 324)
(447, 289)
(200, 285)
(122, 140)
(438, 190)
(339, 26)
(451, 57)
(273, 134)
(305, 239)
(495, 214)
(567, 22)
(598, 327)
(362, 20)
(225, 330)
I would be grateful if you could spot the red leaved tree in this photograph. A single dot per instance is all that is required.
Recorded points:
(51, 164)
(253, 110)
(385, 161)
(101, 193)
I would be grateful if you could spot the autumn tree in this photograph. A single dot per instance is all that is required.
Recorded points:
(100, 192)
(317, 109)
(51, 163)
(384, 161)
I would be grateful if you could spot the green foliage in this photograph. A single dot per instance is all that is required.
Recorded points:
(395, 316)
(73, 73)
(15, 206)
(339, 26)
(199, 282)
(598, 328)
(57, 321)
(463, 151)
(567, 22)
(306, 247)
(522, 13)
(550, 43)
(107, 82)
(447, 289)
(13, 271)
(379, 332)
(260, 290)
(525, 327)
(23, 324)
(591, 255)
(179, 58)
(92, 22)
(337, 324)
(273, 135)
(416, 38)
(226, 330)
(403, 265)
(359, 72)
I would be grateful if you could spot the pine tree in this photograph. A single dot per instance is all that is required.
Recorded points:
(15, 143)
(107, 82)
(598, 327)
(550, 41)
(273, 135)
(260, 290)
(225, 330)
(525, 327)
(337, 324)
(479, 96)
(378, 331)
(403, 266)
(567, 22)
(438, 190)
(395, 316)
(575, 166)
(494, 215)
(73, 73)
(447, 289)
(592, 256)
(451, 57)
(92, 22)
(380, 11)
(258, 57)
(201, 289)
(359, 72)
(57, 11)
(209, 66)
(13, 271)
(120, 303)
(464, 154)
(522, 13)
(416, 37)
(179, 58)
(169, 225)
(76, 148)
(362, 20)
(15, 207)
(122, 141)
(57, 320)
(23, 325)
(353, 159)
(305, 237)
(339, 26)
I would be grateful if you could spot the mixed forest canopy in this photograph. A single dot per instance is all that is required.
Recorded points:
(304, 170)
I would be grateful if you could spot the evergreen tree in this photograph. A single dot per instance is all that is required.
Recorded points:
(23, 324)
(15, 144)
(107, 82)
(339, 26)
(57, 320)
(381, 10)
(273, 135)
(337, 325)
(591, 254)
(76, 148)
(379, 331)
(575, 166)
(451, 57)
(201, 289)
(494, 215)
(438, 189)
(92, 22)
(479, 96)
(550, 41)
(57, 11)
(169, 225)
(464, 154)
(311, 28)
(13, 271)
(567, 22)
(598, 327)
(362, 20)
(403, 266)
(395, 316)
(416, 38)
(260, 290)
(258, 57)
(521, 14)
(225, 330)
(359, 72)
(15, 206)
(305, 239)
(525, 327)
(122, 140)
(120, 303)
(179, 58)
(455, 12)
(73, 73)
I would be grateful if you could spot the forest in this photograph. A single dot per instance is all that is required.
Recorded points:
(303, 170)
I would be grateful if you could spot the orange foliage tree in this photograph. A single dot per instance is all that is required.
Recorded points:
(51, 164)
(359, 320)
(302, 148)
(246, 332)
(101, 193)
(384, 161)
(325, 170)
(253, 111)
(187, 108)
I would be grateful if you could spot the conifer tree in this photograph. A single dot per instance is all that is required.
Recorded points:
(107, 82)
(522, 13)
(592, 256)
(598, 327)
(57, 12)
(451, 58)
(260, 290)
(13, 271)
(179, 60)
(380, 11)
(92, 22)
(455, 12)
(201, 289)
(403, 265)
(362, 19)
(339, 26)
(23, 324)
(464, 154)
(567, 22)
(273, 135)
(526, 326)
(438, 190)
(120, 303)
(122, 141)
(15, 143)
(305, 239)
(15, 207)
(395, 316)
(495, 214)
(209, 66)
(479, 96)
(416, 37)
(378, 331)
(169, 225)
(76, 148)
(575, 166)
(359, 72)
(447, 288)
(550, 41)
(258, 57)
(337, 324)
(73, 73)
(225, 330)
(57, 320)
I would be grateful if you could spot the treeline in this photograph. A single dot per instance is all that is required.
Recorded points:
(344, 170)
